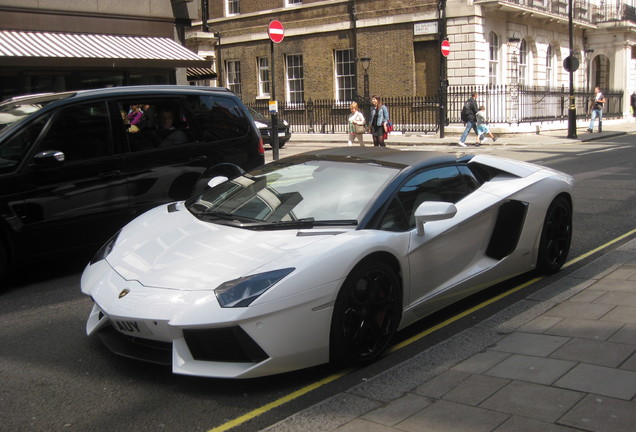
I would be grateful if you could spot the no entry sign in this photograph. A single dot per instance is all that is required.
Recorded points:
(445, 48)
(276, 31)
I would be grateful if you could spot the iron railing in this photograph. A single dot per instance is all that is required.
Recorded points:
(505, 105)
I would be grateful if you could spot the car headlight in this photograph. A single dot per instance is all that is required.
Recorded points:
(260, 125)
(285, 123)
(105, 250)
(243, 291)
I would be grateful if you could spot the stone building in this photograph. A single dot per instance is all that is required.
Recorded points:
(332, 47)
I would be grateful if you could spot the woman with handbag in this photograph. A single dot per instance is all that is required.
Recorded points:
(379, 120)
(356, 125)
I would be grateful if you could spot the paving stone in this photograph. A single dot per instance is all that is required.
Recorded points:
(630, 364)
(522, 424)
(622, 315)
(624, 272)
(585, 328)
(600, 380)
(481, 362)
(618, 299)
(538, 370)
(615, 285)
(540, 324)
(442, 384)
(572, 309)
(602, 414)
(476, 389)
(445, 416)
(398, 410)
(530, 344)
(594, 352)
(626, 335)
(533, 401)
(361, 425)
(587, 296)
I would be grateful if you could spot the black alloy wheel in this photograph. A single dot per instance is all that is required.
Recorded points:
(555, 236)
(366, 315)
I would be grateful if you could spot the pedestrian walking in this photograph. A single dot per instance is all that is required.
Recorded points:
(379, 118)
(632, 102)
(356, 125)
(482, 125)
(469, 117)
(597, 110)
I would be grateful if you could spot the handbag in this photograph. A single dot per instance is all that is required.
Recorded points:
(389, 127)
(359, 129)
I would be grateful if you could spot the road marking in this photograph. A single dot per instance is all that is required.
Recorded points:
(603, 150)
(311, 387)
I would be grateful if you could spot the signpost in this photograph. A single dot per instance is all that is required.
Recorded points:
(276, 32)
(445, 48)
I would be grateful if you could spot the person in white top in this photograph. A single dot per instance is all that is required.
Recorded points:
(356, 125)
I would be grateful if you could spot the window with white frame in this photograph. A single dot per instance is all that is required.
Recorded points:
(293, 2)
(295, 78)
(549, 63)
(231, 7)
(493, 62)
(523, 63)
(264, 79)
(345, 75)
(233, 74)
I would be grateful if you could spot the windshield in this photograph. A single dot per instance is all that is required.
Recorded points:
(311, 193)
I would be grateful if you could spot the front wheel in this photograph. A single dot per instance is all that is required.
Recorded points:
(366, 314)
(555, 236)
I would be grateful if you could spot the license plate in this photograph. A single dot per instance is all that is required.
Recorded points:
(281, 134)
(132, 328)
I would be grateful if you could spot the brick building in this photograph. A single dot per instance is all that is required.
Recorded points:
(493, 43)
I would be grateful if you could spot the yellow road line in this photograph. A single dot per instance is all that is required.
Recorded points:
(311, 387)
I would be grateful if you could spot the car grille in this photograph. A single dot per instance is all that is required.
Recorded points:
(223, 345)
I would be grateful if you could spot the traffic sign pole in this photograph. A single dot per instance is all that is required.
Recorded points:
(276, 32)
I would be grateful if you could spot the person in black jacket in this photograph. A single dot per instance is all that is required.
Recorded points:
(469, 117)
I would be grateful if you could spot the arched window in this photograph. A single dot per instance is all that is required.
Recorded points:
(523, 63)
(493, 64)
(549, 64)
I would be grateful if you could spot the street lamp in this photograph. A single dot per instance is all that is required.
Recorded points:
(571, 65)
(366, 62)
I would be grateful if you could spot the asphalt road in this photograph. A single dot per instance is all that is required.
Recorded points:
(54, 378)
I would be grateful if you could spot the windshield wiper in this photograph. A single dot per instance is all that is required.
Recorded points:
(297, 224)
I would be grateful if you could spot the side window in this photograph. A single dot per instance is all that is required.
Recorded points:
(81, 132)
(13, 149)
(154, 123)
(218, 117)
(440, 184)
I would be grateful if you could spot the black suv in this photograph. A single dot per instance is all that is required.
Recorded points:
(76, 166)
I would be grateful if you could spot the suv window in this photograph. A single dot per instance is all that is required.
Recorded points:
(81, 132)
(155, 122)
(218, 117)
(13, 150)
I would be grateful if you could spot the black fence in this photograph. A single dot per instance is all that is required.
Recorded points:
(505, 105)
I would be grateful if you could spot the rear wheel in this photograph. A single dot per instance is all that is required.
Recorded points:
(366, 315)
(555, 236)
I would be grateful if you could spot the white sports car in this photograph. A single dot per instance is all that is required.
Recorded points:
(321, 257)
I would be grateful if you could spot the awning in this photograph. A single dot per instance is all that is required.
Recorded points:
(195, 74)
(28, 48)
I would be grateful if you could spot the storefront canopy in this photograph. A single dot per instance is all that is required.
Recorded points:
(196, 74)
(28, 48)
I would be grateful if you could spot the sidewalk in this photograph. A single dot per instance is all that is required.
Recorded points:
(563, 359)
(610, 129)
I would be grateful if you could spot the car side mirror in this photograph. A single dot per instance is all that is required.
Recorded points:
(49, 158)
(215, 181)
(430, 211)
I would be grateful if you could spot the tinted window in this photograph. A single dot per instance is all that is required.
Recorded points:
(13, 150)
(81, 132)
(218, 117)
(153, 123)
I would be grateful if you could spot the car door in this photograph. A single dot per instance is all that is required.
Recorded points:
(450, 250)
(78, 198)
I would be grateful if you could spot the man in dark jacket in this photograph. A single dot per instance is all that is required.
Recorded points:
(469, 117)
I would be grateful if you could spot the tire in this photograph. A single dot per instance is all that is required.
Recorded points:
(281, 144)
(366, 314)
(556, 236)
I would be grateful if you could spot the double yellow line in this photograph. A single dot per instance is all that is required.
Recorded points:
(311, 387)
